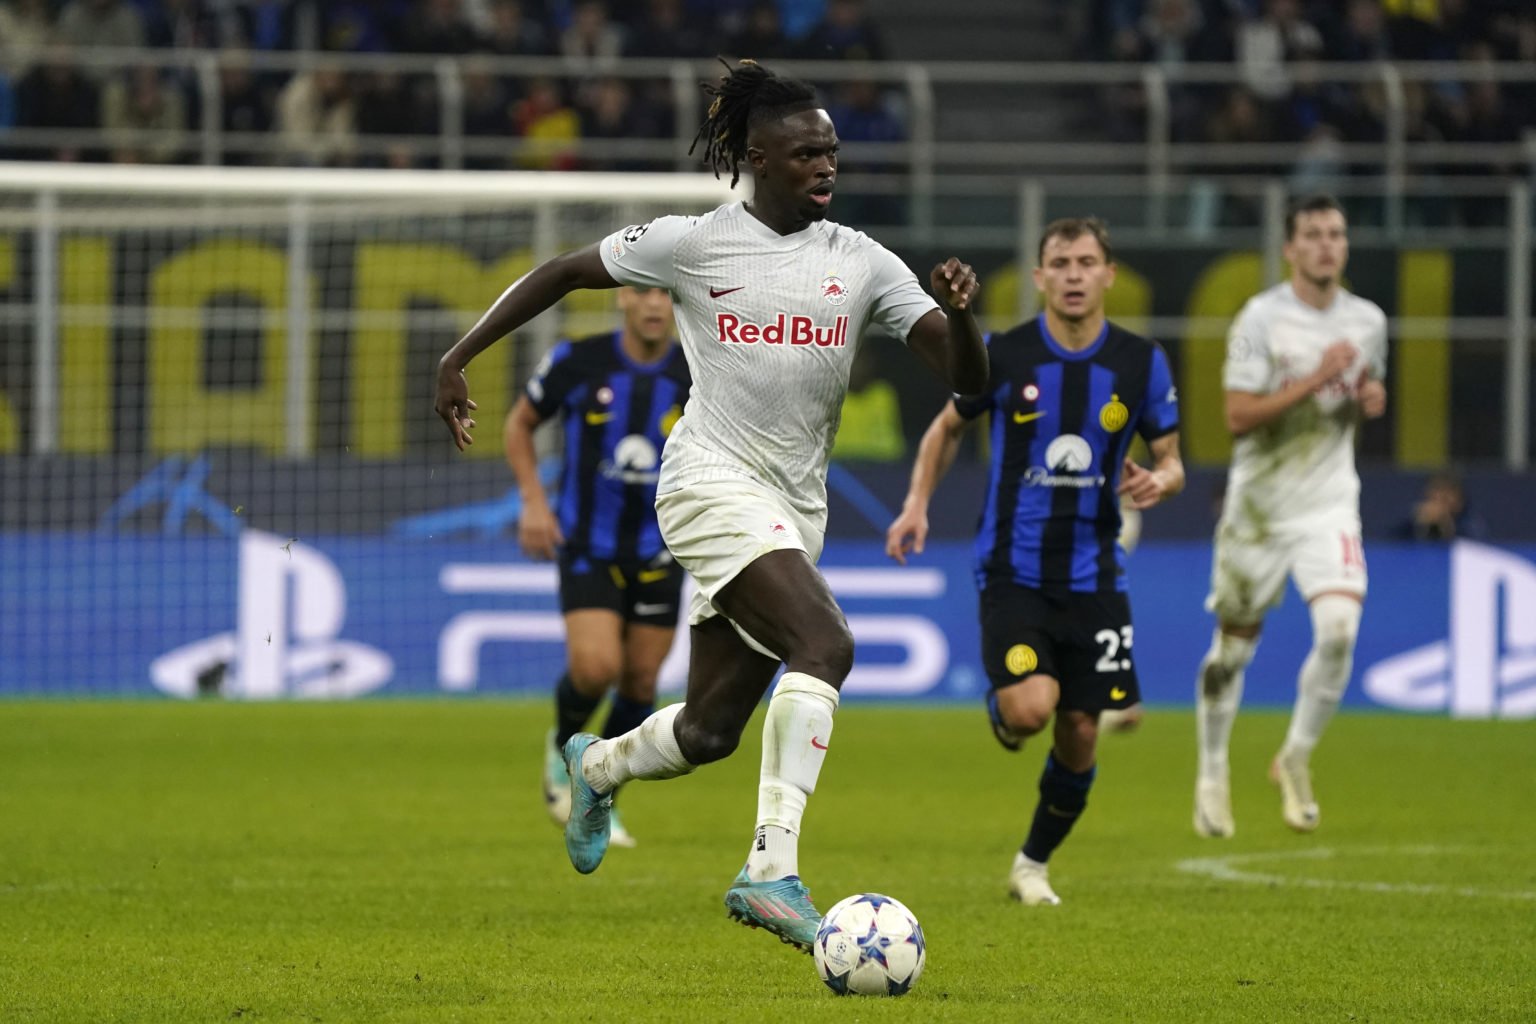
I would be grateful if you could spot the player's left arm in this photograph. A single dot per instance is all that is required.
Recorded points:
(1159, 427)
(950, 340)
(1147, 487)
(1371, 392)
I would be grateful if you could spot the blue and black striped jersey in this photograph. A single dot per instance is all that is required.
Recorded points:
(617, 414)
(1061, 425)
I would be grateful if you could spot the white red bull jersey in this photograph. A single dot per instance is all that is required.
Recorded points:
(769, 325)
(1301, 465)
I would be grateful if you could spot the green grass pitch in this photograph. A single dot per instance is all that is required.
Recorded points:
(391, 861)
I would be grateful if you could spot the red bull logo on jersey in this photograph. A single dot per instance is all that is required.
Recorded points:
(782, 330)
(834, 290)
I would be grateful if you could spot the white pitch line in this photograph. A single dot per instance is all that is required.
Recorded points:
(1230, 869)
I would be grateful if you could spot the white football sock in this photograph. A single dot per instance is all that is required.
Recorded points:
(1325, 673)
(796, 734)
(1218, 692)
(648, 751)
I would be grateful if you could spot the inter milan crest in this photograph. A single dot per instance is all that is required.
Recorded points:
(1021, 659)
(1114, 415)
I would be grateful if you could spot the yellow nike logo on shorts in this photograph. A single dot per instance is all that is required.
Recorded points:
(652, 575)
(1115, 693)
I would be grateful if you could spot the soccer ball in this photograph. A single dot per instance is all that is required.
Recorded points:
(870, 945)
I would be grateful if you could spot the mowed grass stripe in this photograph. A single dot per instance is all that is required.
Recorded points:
(391, 861)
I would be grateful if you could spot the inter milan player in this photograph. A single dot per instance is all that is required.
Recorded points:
(1067, 391)
(772, 302)
(617, 395)
(1306, 361)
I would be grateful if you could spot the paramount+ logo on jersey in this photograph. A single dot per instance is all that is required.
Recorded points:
(782, 330)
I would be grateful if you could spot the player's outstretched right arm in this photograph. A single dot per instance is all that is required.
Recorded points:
(935, 454)
(529, 295)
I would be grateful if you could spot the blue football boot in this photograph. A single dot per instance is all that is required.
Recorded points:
(782, 906)
(587, 829)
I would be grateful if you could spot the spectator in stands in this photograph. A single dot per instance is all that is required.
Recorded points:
(1320, 168)
(862, 114)
(185, 24)
(487, 116)
(25, 28)
(592, 34)
(136, 101)
(270, 25)
(317, 119)
(1169, 34)
(549, 126)
(514, 33)
(1441, 514)
(801, 16)
(1363, 35)
(663, 31)
(438, 26)
(91, 24)
(247, 103)
(846, 33)
(1431, 30)
(1478, 113)
(1172, 33)
(761, 36)
(611, 109)
(364, 26)
(55, 94)
(1266, 45)
(391, 103)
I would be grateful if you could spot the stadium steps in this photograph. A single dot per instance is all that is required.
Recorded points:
(992, 30)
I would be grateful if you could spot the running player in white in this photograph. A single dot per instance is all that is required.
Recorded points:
(771, 300)
(1305, 362)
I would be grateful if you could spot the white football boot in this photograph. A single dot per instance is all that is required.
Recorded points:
(1298, 806)
(1028, 884)
(557, 782)
(1213, 809)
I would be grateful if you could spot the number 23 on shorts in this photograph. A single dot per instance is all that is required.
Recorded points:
(1117, 649)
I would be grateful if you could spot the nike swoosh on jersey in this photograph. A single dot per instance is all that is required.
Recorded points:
(816, 742)
(1025, 417)
(594, 418)
(715, 293)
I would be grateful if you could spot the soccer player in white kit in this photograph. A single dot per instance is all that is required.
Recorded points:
(771, 302)
(1305, 362)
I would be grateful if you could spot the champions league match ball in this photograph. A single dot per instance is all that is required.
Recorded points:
(870, 945)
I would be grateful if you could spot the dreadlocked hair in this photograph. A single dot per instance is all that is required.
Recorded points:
(747, 94)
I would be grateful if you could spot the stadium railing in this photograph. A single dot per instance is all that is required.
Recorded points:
(963, 151)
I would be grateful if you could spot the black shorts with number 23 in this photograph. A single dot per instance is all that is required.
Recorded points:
(1082, 640)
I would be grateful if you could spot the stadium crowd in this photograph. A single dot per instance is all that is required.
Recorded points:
(1279, 99)
(320, 115)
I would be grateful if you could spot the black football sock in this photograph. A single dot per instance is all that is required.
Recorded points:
(572, 709)
(625, 714)
(1063, 795)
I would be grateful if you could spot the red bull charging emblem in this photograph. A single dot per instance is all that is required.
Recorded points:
(834, 290)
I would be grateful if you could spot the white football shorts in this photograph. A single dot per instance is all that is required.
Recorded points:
(1248, 570)
(717, 528)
